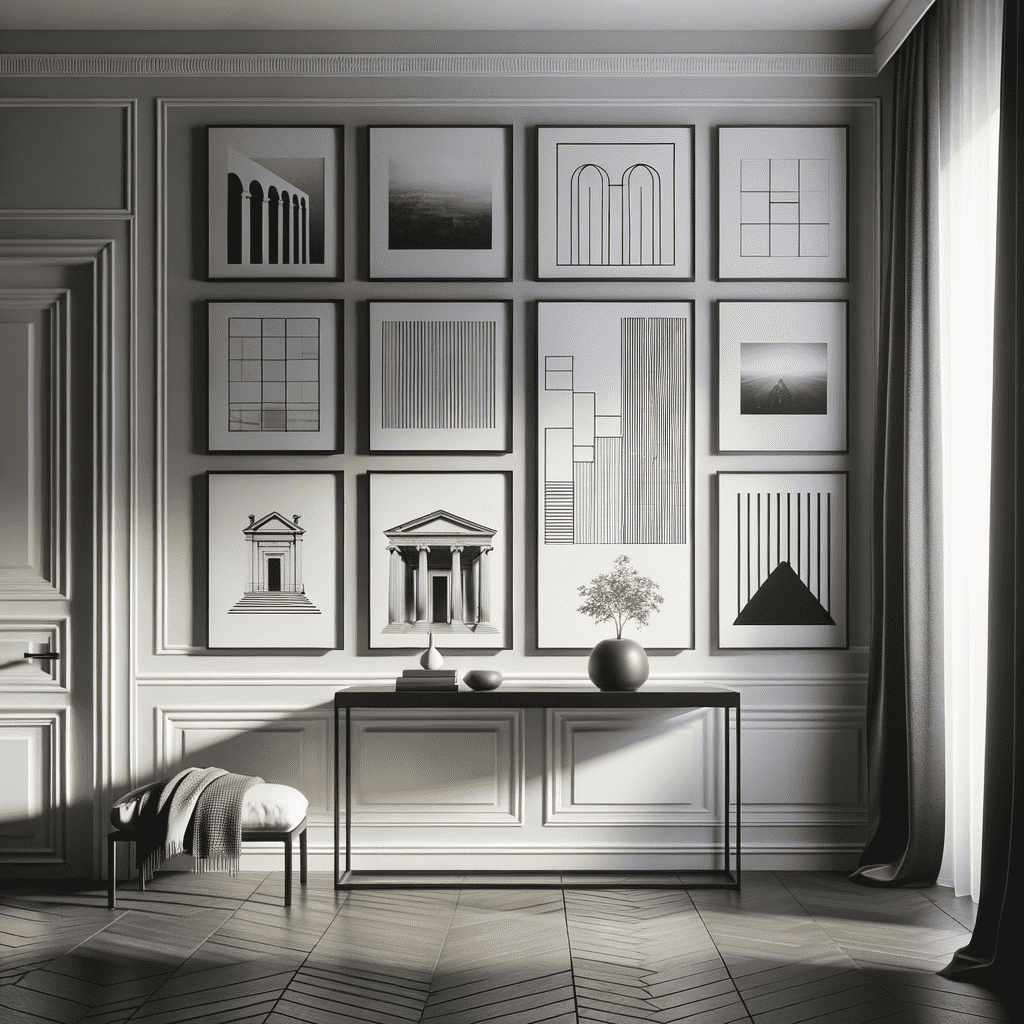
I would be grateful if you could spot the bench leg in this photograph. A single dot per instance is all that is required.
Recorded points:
(302, 857)
(111, 872)
(288, 871)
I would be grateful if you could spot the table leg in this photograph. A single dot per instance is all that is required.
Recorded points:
(739, 799)
(348, 789)
(337, 805)
(728, 793)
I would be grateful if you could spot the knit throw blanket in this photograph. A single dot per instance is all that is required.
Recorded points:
(199, 812)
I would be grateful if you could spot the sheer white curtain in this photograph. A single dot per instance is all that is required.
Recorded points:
(970, 41)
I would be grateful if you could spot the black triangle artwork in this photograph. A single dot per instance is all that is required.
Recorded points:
(784, 600)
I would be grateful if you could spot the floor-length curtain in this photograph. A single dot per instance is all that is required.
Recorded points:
(970, 40)
(993, 955)
(905, 689)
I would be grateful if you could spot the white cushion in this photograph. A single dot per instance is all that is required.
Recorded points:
(271, 806)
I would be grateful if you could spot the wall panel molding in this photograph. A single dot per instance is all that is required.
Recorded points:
(33, 753)
(421, 65)
(640, 768)
(286, 745)
(816, 756)
(129, 108)
(43, 315)
(485, 785)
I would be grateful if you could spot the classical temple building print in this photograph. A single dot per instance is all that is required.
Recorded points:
(275, 584)
(268, 217)
(440, 575)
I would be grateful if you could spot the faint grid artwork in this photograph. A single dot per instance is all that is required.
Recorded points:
(782, 544)
(615, 202)
(439, 376)
(782, 202)
(273, 370)
(614, 430)
(274, 373)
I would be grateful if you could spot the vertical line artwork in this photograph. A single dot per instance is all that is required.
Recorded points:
(438, 374)
(796, 590)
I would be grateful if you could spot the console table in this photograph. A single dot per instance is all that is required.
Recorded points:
(584, 697)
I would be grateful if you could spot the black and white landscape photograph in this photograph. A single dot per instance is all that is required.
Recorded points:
(439, 202)
(783, 379)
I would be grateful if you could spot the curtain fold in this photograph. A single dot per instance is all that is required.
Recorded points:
(992, 956)
(905, 689)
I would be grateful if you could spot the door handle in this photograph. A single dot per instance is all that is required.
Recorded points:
(43, 655)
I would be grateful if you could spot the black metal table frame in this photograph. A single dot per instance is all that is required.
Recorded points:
(670, 698)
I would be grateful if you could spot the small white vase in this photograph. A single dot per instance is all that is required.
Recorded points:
(432, 656)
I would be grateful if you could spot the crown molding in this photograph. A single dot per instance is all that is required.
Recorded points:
(420, 65)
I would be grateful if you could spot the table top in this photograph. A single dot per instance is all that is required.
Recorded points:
(660, 695)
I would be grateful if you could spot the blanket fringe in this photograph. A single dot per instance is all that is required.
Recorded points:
(218, 862)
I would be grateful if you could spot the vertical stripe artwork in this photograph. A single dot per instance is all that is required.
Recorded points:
(439, 376)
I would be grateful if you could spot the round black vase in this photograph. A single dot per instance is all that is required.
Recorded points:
(618, 664)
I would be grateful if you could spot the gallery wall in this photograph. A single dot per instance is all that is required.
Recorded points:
(115, 148)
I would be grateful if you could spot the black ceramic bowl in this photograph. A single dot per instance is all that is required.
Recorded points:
(482, 679)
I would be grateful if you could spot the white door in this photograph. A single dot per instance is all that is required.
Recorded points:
(58, 617)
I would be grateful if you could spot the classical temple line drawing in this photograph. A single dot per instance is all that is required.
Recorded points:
(615, 467)
(784, 558)
(617, 205)
(273, 374)
(784, 207)
(268, 218)
(275, 584)
(438, 374)
(440, 575)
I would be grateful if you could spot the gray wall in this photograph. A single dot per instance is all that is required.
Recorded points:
(115, 150)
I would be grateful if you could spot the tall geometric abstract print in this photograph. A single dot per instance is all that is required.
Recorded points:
(615, 470)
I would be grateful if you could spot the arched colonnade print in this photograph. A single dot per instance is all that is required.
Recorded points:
(267, 216)
(615, 224)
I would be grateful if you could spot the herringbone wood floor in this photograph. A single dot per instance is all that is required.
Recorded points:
(792, 947)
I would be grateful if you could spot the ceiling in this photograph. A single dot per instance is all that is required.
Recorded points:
(446, 15)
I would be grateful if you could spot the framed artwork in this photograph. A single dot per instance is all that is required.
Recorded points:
(782, 556)
(439, 377)
(273, 377)
(440, 554)
(274, 558)
(782, 202)
(615, 202)
(782, 376)
(615, 461)
(441, 202)
(273, 202)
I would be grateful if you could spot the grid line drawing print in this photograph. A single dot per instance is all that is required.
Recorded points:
(784, 207)
(274, 374)
(438, 374)
(620, 208)
(615, 473)
(784, 558)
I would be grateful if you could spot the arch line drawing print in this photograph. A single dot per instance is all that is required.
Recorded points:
(615, 202)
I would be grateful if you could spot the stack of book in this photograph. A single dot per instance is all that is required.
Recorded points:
(427, 679)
